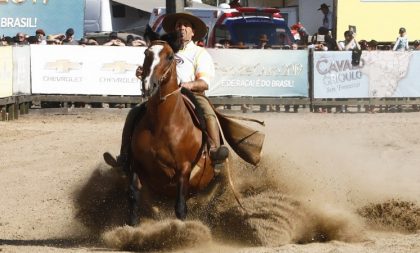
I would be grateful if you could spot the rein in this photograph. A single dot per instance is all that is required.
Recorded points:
(163, 99)
(168, 69)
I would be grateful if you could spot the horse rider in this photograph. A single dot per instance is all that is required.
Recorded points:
(195, 69)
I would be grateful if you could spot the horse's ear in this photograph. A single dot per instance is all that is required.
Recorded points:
(149, 35)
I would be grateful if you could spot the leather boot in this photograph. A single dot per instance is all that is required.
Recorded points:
(218, 153)
(122, 160)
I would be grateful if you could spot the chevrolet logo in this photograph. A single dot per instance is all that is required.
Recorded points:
(63, 66)
(118, 67)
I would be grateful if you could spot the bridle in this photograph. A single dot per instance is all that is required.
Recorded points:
(163, 77)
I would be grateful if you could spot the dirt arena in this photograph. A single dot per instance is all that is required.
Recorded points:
(346, 182)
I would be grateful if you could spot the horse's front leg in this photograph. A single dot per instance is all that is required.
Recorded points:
(182, 191)
(133, 200)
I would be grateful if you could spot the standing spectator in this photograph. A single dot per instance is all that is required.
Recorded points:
(349, 42)
(69, 39)
(327, 20)
(402, 41)
(20, 39)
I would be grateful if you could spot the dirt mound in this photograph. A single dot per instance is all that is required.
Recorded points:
(158, 235)
(394, 214)
(273, 216)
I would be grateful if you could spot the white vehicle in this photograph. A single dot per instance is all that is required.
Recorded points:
(97, 16)
(244, 24)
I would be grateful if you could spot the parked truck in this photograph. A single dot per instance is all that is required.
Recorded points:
(244, 24)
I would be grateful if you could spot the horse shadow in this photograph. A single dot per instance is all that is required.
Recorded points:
(64, 243)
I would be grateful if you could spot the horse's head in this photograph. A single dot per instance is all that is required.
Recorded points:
(158, 61)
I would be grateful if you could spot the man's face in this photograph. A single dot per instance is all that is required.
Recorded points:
(325, 10)
(184, 29)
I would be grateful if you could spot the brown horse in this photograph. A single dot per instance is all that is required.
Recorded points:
(167, 147)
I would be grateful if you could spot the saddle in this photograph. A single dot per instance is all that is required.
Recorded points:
(246, 142)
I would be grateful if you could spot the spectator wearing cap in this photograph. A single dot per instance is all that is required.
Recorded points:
(263, 42)
(69, 38)
(327, 20)
(300, 34)
(40, 37)
(114, 40)
(401, 44)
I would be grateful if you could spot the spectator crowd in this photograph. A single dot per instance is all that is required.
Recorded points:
(67, 38)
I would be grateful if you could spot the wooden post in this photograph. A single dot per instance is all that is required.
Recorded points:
(3, 113)
(22, 108)
(16, 110)
(11, 111)
(174, 6)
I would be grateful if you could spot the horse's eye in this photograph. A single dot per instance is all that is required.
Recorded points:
(171, 57)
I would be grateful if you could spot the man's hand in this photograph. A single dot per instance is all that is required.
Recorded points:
(139, 71)
(188, 85)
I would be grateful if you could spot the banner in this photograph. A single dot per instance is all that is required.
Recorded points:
(90, 70)
(260, 73)
(21, 70)
(380, 74)
(53, 16)
(6, 72)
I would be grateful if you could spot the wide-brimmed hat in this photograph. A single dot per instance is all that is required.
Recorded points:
(263, 37)
(324, 6)
(169, 21)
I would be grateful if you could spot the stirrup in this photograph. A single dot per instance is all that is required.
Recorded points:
(110, 160)
(120, 161)
(219, 155)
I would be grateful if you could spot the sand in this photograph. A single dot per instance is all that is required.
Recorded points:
(326, 183)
